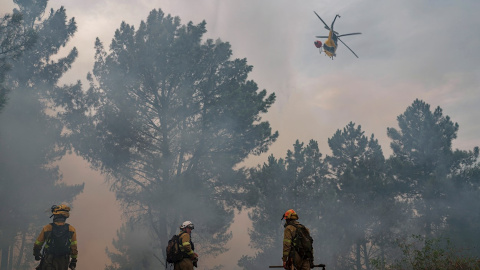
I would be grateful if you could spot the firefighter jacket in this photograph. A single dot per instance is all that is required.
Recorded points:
(288, 235)
(44, 237)
(186, 245)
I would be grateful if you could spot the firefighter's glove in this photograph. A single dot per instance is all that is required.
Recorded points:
(38, 257)
(73, 264)
(195, 259)
(288, 264)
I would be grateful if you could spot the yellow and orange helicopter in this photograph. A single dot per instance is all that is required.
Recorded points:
(331, 44)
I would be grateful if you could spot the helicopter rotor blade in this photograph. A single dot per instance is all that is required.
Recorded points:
(349, 48)
(351, 34)
(321, 36)
(326, 26)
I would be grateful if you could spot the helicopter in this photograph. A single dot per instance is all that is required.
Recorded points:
(331, 44)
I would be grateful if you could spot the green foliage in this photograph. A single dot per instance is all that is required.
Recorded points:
(358, 170)
(363, 201)
(429, 173)
(31, 138)
(167, 117)
(299, 182)
(14, 39)
(421, 253)
(134, 249)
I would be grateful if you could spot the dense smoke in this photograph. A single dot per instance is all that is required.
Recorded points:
(174, 123)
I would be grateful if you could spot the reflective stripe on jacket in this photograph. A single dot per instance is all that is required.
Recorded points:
(185, 243)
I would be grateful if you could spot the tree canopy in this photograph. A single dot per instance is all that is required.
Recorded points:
(168, 116)
(297, 181)
(31, 134)
(14, 39)
(359, 204)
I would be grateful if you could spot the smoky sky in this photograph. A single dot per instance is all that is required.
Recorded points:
(407, 50)
(425, 50)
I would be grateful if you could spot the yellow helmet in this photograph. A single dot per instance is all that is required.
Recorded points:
(290, 214)
(60, 210)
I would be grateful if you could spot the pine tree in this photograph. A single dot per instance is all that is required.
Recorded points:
(298, 181)
(438, 182)
(14, 39)
(169, 118)
(358, 168)
(422, 158)
(31, 138)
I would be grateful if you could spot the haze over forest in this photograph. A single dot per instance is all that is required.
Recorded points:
(146, 115)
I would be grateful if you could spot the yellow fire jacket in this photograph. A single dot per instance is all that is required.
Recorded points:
(185, 244)
(288, 235)
(44, 236)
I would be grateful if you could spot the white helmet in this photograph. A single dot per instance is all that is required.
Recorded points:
(187, 224)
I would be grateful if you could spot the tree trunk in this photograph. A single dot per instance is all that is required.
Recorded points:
(365, 255)
(4, 264)
(22, 247)
(358, 256)
(10, 259)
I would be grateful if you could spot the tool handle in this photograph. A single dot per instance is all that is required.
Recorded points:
(281, 266)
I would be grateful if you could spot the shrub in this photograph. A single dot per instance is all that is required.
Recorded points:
(422, 253)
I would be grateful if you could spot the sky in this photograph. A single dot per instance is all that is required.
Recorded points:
(408, 49)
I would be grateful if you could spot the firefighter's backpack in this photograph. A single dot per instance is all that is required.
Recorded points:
(303, 242)
(173, 250)
(59, 240)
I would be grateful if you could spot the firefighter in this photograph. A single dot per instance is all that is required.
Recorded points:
(59, 242)
(297, 251)
(186, 247)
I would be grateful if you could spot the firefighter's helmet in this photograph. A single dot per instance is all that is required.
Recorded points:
(187, 224)
(290, 214)
(62, 210)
